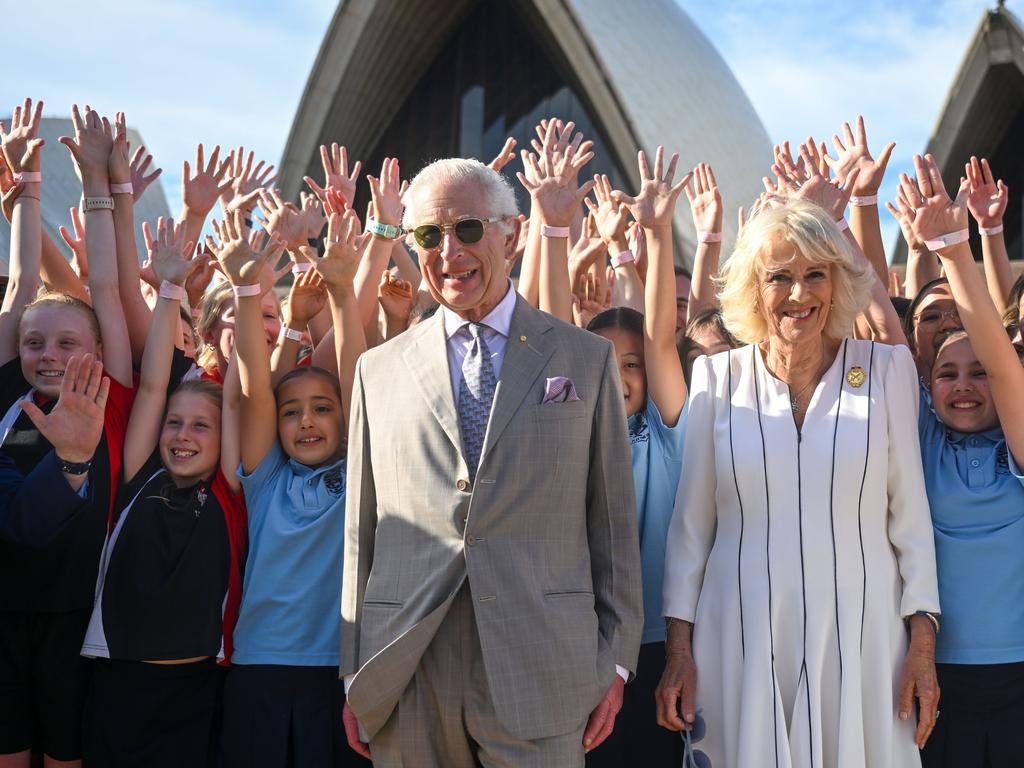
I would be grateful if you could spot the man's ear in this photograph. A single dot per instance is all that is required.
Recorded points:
(512, 238)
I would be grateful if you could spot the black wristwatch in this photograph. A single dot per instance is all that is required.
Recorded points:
(73, 467)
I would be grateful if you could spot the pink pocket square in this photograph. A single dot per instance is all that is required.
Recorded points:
(559, 389)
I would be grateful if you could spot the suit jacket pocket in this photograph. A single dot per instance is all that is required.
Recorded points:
(547, 411)
(382, 604)
(569, 593)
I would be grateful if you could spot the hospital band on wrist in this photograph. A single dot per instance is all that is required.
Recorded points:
(27, 177)
(991, 231)
(122, 189)
(622, 258)
(548, 231)
(169, 290)
(945, 241)
(862, 201)
(244, 291)
(709, 237)
(289, 333)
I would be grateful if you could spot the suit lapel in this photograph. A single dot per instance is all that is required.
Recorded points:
(523, 363)
(427, 360)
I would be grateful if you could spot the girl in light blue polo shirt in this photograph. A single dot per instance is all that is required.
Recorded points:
(972, 445)
(283, 699)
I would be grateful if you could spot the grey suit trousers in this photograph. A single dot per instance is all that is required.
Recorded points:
(445, 718)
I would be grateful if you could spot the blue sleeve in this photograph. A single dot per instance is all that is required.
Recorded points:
(669, 439)
(36, 507)
(261, 480)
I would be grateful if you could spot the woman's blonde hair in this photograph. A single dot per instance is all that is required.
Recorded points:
(813, 233)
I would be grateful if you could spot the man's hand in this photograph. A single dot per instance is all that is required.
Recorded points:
(348, 719)
(75, 424)
(602, 719)
(678, 685)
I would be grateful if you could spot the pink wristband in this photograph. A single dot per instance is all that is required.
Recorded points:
(709, 237)
(122, 189)
(547, 231)
(301, 266)
(623, 257)
(27, 177)
(843, 224)
(991, 231)
(944, 241)
(244, 291)
(862, 201)
(171, 291)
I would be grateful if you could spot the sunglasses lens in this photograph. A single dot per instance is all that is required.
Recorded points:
(427, 235)
(469, 231)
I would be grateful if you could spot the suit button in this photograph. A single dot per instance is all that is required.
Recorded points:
(471, 541)
(462, 484)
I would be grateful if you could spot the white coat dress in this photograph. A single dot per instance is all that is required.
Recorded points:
(797, 556)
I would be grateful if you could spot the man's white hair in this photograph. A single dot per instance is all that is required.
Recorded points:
(498, 197)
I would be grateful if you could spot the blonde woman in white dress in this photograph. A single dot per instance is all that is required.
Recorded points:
(800, 557)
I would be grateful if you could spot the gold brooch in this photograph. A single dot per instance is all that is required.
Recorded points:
(855, 377)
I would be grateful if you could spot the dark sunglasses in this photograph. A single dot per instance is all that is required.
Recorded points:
(468, 231)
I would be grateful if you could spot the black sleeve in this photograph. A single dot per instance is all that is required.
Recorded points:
(12, 384)
(180, 365)
(34, 509)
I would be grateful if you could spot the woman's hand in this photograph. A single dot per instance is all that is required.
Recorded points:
(919, 681)
(677, 690)
(168, 252)
(654, 204)
(987, 198)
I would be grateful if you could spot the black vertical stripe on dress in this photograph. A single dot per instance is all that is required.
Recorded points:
(768, 554)
(739, 499)
(803, 584)
(860, 500)
(832, 510)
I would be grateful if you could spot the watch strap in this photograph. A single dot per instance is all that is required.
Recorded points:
(386, 231)
(72, 467)
(97, 204)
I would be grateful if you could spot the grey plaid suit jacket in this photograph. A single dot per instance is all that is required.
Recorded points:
(547, 539)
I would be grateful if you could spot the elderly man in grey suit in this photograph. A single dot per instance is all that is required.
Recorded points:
(491, 602)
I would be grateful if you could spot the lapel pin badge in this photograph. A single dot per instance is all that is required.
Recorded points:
(855, 377)
(522, 338)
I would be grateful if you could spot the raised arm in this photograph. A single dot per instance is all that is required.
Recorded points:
(986, 201)
(936, 216)
(22, 157)
(336, 175)
(555, 199)
(338, 267)
(386, 192)
(199, 193)
(922, 264)
(306, 299)
(168, 254)
(706, 208)
(653, 208)
(853, 153)
(611, 218)
(90, 149)
(243, 265)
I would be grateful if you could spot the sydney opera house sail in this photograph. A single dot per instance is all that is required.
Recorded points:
(440, 78)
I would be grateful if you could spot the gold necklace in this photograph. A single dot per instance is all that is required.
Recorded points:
(794, 404)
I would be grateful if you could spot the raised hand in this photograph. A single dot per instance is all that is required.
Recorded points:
(307, 297)
(241, 262)
(139, 165)
(588, 299)
(904, 217)
(987, 198)
(705, 200)
(395, 296)
(90, 149)
(804, 181)
(22, 143)
(611, 216)
(197, 282)
(312, 216)
(853, 154)
(505, 156)
(336, 175)
(590, 248)
(75, 424)
(199, 193)
(342, 249)
(284, 221)
(655, 203)
(118, 166)
(933, 213)
(76, 242)
(387, 192)
(169, 253)
(246, 181)
(551, 182)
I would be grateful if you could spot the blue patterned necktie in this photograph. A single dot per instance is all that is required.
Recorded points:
(476, 392)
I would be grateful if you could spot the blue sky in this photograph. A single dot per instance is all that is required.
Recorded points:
(234, 71)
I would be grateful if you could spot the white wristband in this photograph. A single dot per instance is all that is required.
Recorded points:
(27, 177)
(991, 231)
(301, 266)
(843, 224)
(169, 290)
(863, 201)
(547, 231)
(623, 257)
(243, 291)
(944, 241)
(289, 333)
(709, 237)
(122, 189)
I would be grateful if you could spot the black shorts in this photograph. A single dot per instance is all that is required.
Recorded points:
(43, 682)
(281, 716)
(637, 739)
(154, 715)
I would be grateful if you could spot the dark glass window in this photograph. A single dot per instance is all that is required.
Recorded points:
(493, 79)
